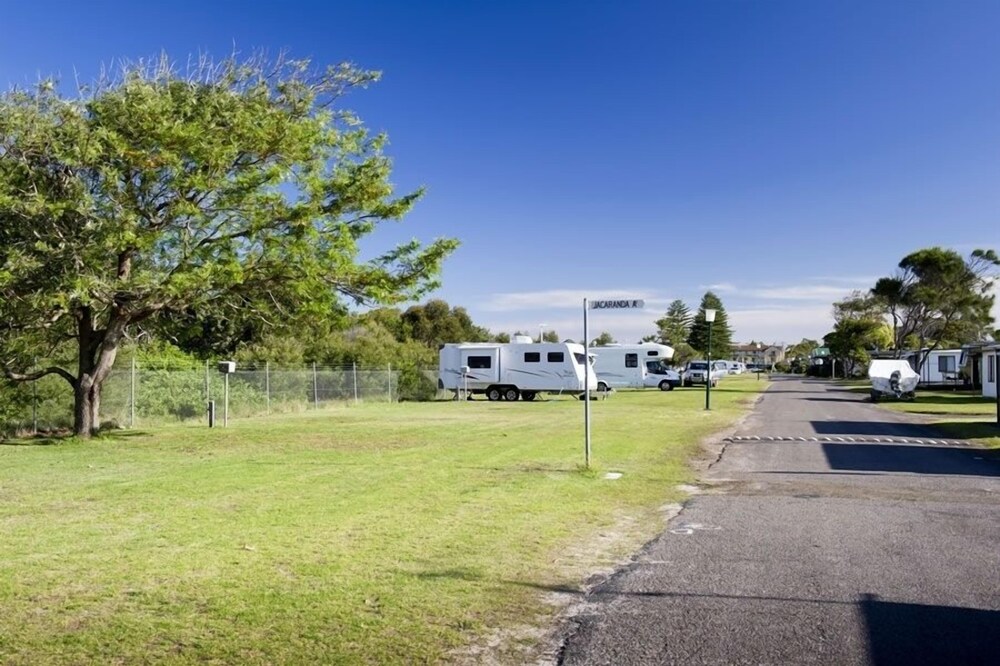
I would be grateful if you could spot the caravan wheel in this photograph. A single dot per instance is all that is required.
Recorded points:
(666, 386)
(493, 394)
(511, 394)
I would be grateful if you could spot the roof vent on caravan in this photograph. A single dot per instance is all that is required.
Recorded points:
(522, 339)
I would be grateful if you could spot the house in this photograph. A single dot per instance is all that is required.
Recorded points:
(990, 369)
(758, 353)
(941, 366)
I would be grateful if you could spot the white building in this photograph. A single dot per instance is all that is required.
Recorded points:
(990, 370)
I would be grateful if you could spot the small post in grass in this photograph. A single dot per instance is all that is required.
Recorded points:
(709, 319)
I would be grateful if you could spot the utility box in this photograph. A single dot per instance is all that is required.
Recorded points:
(227, 367)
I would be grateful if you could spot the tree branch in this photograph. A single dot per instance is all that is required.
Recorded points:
(33, 376)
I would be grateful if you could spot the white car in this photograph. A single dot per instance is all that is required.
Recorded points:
(735, 367)
(696, 372)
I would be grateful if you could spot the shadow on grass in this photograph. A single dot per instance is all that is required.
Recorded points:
(969, 429)
(472, 576)
(68, 438)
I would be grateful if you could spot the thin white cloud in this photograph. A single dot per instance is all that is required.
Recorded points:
(779, 324)
(559, 298)
(828, 293)
(861, 281)
(724, 287)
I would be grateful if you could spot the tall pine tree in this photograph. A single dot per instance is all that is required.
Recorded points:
(675, 326)
(722, 334)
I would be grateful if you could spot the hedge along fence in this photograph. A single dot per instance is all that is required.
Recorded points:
(134, 395)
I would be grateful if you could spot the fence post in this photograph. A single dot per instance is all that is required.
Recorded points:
(131, 396)
(355, 366)
(208, 385)
(267, 384)
(315, 388)
(389, 384)
(34, 402)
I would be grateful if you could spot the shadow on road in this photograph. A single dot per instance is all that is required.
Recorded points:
(848, 398)
(912, 459)
(877, 428)
(915, 634)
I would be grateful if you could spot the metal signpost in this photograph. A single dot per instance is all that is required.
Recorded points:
(610, 304)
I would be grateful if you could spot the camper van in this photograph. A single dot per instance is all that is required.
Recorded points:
(635, 366)
(510, 371)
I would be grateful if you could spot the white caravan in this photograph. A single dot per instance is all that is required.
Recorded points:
(509, 371)
(635, 366)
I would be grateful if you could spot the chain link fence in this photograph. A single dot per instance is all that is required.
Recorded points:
(135, 396)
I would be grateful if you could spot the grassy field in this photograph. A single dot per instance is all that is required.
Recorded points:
(958, 414)
(371, 534)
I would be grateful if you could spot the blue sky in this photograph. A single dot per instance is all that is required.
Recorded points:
(779, 152)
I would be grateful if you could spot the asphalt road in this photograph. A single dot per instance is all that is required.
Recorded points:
(846, 534)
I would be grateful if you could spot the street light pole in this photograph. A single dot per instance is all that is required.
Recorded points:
(760, 361)
(709, 319)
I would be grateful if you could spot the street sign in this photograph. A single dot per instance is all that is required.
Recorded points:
(618, 304)
(605, 304)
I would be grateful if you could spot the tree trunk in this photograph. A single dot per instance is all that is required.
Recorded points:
(97, 352)
(86, 407)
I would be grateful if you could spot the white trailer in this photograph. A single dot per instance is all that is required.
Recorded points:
(634, 366)
(515, 370)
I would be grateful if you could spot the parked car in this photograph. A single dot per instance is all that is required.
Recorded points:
(697, 372)
(735, 367)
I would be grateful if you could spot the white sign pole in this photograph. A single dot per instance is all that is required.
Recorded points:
(609, 304)
(586, 382)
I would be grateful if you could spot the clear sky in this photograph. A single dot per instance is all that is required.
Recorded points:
(780, 152)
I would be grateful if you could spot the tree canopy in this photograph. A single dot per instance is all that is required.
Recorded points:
(722, 334)
(604, 338)
(235, 190)
(675, 326)
(938, 297)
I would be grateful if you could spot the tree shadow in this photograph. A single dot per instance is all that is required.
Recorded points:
(900, 633)
(948, 460)
(969, 429)
(65, 438)
(874, 428)
(850, 399)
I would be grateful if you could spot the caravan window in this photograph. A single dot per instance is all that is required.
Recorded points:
(652, 353)
(631, 360)
(555, 357)
(532, 357)
(946, 364)
(480, 362)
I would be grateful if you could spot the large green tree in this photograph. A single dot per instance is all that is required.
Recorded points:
(230, 189)
(722, 334)
(938, 297)
(435, 323)
(852, 340)
(604, 338)
(675, 326)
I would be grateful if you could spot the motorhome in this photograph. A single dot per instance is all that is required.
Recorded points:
(516, 370)
(635, 366)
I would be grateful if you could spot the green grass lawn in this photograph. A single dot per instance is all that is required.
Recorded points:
(958, 414)
(372, 534)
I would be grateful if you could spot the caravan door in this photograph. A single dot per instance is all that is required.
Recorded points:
(483, 364)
